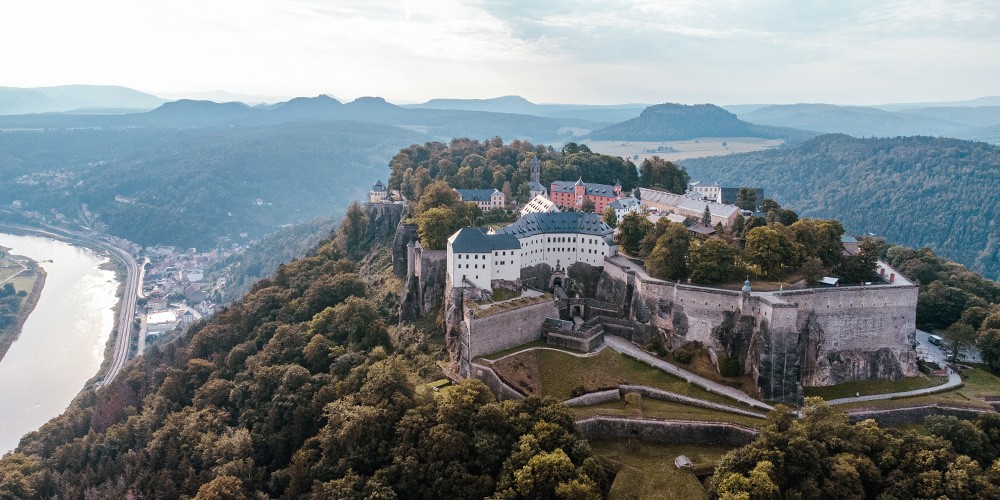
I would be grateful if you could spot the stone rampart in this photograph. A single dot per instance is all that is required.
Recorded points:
(594, 398)
(913, 415)
(507, 329)
(502, 390)
(665, 431)
(654, 393)
(783, 340)
(584, 341)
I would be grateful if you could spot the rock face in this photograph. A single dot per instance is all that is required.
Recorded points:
(783, 340)
(426, 273)
(405, 234)
(383, 220)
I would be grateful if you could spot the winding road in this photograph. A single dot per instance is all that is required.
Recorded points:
(130, 292)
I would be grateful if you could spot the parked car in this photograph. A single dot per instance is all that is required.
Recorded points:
(935, 339)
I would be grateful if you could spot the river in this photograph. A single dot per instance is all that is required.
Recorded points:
(62, 343)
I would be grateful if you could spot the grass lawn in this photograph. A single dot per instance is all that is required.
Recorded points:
(501, 294)
(648, 471)
(979, 383)
(868, 387)
(554, 373)
(511, 305)
(655, 408)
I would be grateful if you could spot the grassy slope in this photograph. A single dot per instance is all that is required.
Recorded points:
(554, 373)
(648, 471)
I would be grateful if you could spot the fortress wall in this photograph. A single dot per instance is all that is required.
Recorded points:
(773, 351)
(857, 333)
(665, 431)
(913, 415)
(703, 309)
(508, 329)
(497, 386)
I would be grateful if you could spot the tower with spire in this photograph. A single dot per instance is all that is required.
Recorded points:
(534, 178)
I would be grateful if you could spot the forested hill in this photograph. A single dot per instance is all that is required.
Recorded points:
(304, 389)
(916, 191)
(670, 122)
(192, 187)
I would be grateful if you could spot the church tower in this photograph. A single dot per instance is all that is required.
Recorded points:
(536, 170)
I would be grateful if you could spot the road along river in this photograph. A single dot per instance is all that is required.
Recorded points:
(62, 343)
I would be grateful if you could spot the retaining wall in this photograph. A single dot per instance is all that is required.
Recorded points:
(913, 415)
(594, 398)
(507, 329)
(665, 431)
(654, 393)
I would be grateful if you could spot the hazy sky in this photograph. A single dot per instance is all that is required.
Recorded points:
(607, 51)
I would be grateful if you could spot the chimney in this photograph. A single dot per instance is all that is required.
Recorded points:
(892, 277)
(881, 272)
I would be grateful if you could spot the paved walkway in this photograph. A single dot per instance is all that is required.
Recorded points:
(627, 347)
(954, 380)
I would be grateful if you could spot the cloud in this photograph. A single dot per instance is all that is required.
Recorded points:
(561, 50)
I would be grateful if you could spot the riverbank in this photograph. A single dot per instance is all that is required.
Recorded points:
(37, 275)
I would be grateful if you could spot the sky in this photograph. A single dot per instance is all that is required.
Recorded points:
(594, 52)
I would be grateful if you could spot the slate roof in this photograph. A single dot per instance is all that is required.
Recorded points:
(681, 201)
(378, 186)
(624, 203)
(476, 240)
(535, 186)
(476, 194)
(590, 188)
(560, 222)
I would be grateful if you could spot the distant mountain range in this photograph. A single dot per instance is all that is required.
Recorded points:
(95, 98)
(435, 123)
(610, 113)
(980, 123)
(916, 191)
(673, 122)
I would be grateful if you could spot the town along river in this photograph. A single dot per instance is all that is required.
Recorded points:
(62, 343)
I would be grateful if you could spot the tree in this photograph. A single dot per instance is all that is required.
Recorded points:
(588, 206)
(988, 342)
(706, 218)
(656, 172)
(668, 260)
(813, 270)
(351, 233)
(957, 338)
(746, 199)
(712, 261)
(434, 227)
(860, 268)
(631, 230)
(610, 217)
(769, 250)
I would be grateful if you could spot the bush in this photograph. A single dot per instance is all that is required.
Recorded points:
(729, 366)
(683, 357)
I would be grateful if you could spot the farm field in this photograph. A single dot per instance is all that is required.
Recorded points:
(682, 150)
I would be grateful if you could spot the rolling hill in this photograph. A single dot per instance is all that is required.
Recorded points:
(672, 122)
(611, 113)
(915, 191)
(962, 122)
(15, 100)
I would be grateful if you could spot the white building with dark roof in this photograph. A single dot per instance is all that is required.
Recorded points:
(623, 206)
(487, 199)
(476, 257)
(378, 192)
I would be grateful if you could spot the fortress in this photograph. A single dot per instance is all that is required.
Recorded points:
(783, 340)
